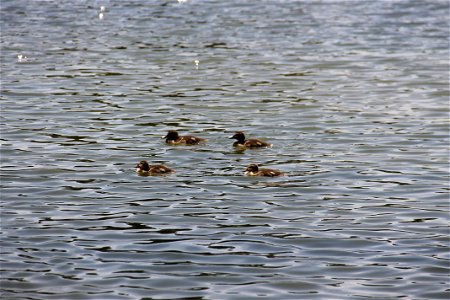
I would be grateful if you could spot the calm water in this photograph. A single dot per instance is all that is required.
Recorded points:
(353, 95)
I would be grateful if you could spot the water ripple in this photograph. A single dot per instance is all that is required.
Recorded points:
(355, 110)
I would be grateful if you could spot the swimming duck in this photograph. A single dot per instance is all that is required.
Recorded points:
(173, 138)
(250, 143)
(254, 170)
(144, 169)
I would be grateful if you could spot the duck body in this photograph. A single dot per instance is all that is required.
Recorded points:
(144, 169)
(173, 138)
(254, 170)
(241, 142)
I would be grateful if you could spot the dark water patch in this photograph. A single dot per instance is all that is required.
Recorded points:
(296, 74)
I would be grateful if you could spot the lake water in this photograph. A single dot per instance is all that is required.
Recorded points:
(353, 95)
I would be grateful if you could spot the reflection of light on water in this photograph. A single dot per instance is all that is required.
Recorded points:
(196, 62)
(21, 58)
(182, 1)
(101, 14)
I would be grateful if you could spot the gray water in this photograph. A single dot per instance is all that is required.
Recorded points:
(353, 95)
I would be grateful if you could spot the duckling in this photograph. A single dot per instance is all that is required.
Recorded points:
(173, 138)
(250, 143)
(254, 170)
(144, 169)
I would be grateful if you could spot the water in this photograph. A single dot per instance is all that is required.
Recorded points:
(353, 95)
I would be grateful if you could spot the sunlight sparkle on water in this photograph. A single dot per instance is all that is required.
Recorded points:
(21, 58)
(101, 14)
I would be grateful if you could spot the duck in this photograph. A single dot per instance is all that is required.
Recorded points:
(254, 170)
(250, 143)
(173, 138)
(144, 169)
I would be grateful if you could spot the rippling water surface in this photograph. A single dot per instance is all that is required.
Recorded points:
(353, 95)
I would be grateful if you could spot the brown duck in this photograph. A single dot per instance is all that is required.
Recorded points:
(144, 169)
(254, 170)
(173, 138)
(250, 143)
